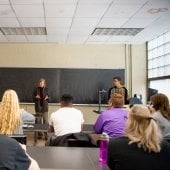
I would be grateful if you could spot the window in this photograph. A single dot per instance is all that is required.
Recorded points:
(159, 56)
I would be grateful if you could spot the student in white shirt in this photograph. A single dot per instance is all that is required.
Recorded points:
(66, 119)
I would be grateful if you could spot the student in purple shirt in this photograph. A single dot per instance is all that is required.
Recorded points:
(112, 121)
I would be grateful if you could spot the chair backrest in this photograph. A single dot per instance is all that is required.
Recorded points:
(20, 138)
(72, 140)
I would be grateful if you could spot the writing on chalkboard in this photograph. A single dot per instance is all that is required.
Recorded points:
(83, 84)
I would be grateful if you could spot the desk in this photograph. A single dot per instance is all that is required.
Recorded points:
(37, 128)
(87, 128)
(66, 158)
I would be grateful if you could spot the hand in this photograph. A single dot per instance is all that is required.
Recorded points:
(37, 96)
(46, 97)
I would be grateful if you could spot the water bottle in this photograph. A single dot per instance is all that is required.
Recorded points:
(104, 141)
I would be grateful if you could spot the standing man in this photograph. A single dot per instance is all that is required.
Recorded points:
(41, 98)
(118, 88)
(66, 119)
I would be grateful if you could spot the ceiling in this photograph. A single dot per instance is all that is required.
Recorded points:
(74, 21)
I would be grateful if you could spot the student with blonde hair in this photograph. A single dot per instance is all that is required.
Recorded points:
(143, 147)
(13, 155)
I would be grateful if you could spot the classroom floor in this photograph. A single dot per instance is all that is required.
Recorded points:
(30, 140)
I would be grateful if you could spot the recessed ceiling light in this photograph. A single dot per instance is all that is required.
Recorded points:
(157, 10)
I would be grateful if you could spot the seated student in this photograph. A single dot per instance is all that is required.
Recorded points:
(160, 104)
(13, 155)
(143, 147)
(25, 118)
(66, 119)
(112, 121)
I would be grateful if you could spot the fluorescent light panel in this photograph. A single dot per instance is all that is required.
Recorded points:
(23, 30)
(116, 31)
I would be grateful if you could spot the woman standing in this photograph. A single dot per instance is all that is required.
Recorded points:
(41, 98)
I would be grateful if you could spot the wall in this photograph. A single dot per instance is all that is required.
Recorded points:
(130, 57)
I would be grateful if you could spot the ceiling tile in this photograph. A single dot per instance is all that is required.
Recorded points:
(60, 10)
(95, 1)
(83, 31)
(58, 22)
(130, 1)
(98, 38)
(9, 22)
(76, 39)
(119, 38)
(37, 38)
(3, 38)
(35, 11)
(60, 1)
(26, 2)
(6, 11)
(159, 3)
(4, 1)
(134, 22)
(143, 12)
(16, 38)
(32, 22)
(57, 31)
(56, 39)
(85, 22)
(112, 23)
(91, 10)
(122, 10)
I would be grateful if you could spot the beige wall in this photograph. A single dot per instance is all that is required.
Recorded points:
(68, 56)
(132, 58)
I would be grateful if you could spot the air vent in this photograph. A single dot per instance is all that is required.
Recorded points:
(23, 30)
(116, 31)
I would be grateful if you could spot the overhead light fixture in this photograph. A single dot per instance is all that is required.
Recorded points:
(116, 31)
(23, 30)
(157, 10)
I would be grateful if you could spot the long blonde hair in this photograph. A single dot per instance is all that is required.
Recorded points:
(142, 129)
(10, 117)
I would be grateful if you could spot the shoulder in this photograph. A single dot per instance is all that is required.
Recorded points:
(7, 141)
(157, 115)
(119, 142)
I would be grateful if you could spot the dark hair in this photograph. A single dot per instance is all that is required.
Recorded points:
(66, 99)
(160, 102)
(117, 77)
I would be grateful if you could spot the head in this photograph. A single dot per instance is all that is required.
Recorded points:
(160, 102)
(9, 113)
(116, 81)
(141, 128)
(66, 100)
(117, 100)
(42, 83)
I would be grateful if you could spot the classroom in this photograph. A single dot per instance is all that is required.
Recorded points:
(83, 39)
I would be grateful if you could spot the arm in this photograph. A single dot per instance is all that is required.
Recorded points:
(51, 129)
(98, 126)
(109, 93)
(22, 161)
(33, 164)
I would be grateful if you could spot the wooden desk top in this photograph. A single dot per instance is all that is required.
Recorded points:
(67, 158)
